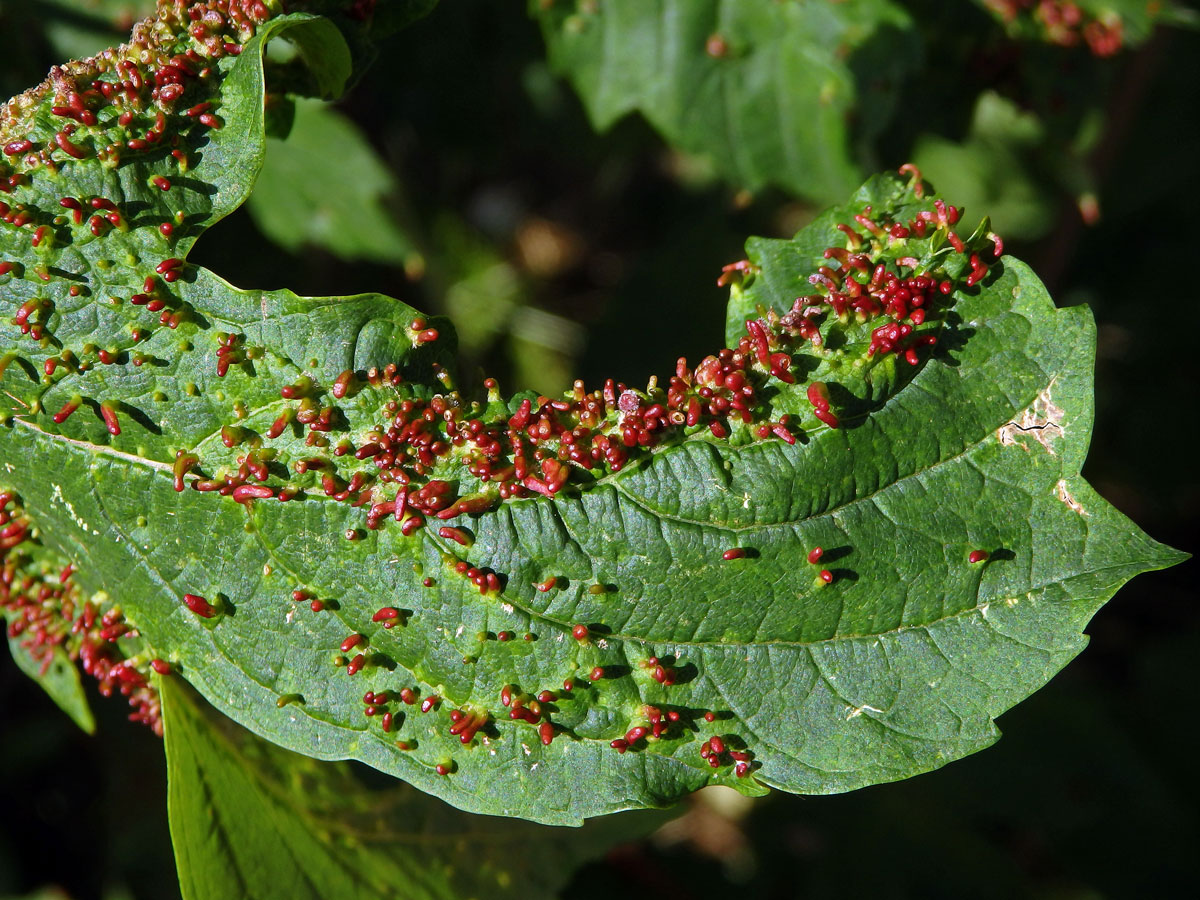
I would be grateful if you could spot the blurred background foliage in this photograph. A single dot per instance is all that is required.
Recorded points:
(467, 178)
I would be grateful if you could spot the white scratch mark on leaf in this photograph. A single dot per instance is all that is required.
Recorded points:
(856, 711)
(1041, 420)
(1063, 494)
(57, 495)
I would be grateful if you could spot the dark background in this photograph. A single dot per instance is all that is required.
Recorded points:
(602, 253)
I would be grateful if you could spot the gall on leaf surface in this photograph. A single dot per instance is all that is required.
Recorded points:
(1103, 27)
(390, 571)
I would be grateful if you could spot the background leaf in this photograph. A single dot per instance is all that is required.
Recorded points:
(295, 203)
(60, 679)
(765, 89)
(995, 168)
(251, 820)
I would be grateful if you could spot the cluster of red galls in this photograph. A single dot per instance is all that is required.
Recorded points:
(45, 611)
(1063, 22)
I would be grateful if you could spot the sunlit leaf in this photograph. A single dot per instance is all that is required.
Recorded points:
(828, 557)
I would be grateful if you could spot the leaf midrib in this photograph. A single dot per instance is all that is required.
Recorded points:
(615, 636)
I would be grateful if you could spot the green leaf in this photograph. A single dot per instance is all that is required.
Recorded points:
(251, 820)
(666, 569)
(765, 89)
(295, 204)
(59, 678)
(322, 50)
(995, 168)
(362, 23)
